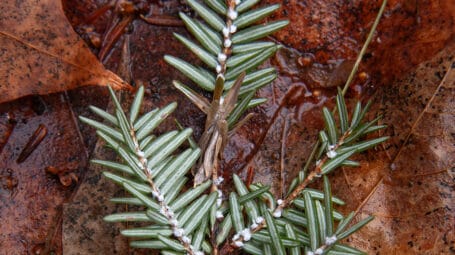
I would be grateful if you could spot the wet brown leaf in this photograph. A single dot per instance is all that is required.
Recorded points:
(409, 183)
(411, 31)
(31, 199)
(40, 53)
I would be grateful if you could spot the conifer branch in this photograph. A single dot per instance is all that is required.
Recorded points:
(228, 46)
(165, 209)
(148, 161)
(334, 151)
(252, 219)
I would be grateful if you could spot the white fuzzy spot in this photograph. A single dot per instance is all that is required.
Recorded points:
(318, 162)
(160, 198)
(259, 220)
(178, 232)
(218, 68)
(233, 29)
(140, 153)
(330, 240)
(237, 2)
(219, 201)
(186, 239)
(174, 222)
(309, 253)
(331, 147)
(170, 214)
(220, 76)
(238, 243)
(277, 213)
(279, 201)
(219, 215)
(232, 14)
(332, 154)
(253, 226)
(155, 194)
(236, 237)
(218, 181)
(222, 57)
(198, 253)
(226, 31)
(246, 234)
(227, 43)
(318, 251)
(393, 166)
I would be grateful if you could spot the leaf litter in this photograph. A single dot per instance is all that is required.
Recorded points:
(410, 188)
(41, 53)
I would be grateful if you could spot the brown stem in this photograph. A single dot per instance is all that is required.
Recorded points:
(218, 118)
(163, 20)
(165, 209)
(315, 173)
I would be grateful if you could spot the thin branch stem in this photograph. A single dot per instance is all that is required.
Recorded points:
(215, 124)
(217, 120)
(313, 174)
(364, 47)
(329, 242)
(165, 209)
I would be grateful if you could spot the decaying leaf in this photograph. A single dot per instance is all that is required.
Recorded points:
(40, 53)
(410, 32)
(408, 184)
(31, 197)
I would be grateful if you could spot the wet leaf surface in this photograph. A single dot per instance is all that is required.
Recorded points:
(410, 183)
(30, 197)
(41, 54)
(412, 203)
(334, 31)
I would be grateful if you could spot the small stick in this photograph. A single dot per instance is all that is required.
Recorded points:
(33, 142)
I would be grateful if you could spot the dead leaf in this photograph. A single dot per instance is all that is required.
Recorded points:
(40, 53)
(31, 200)
(408, 185)
(411, 31)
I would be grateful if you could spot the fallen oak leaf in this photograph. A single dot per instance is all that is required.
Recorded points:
(40, 53)
(408, 185)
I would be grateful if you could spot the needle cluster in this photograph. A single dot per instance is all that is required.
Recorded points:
(155, 170)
